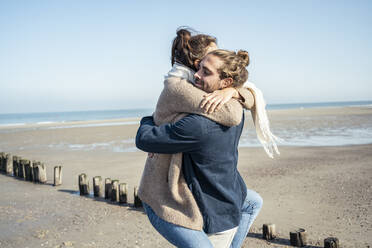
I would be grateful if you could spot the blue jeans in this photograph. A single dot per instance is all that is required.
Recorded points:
(184, 237)
(177, 235)
(251, 207)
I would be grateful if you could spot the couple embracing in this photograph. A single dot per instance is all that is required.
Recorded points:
(191, 189)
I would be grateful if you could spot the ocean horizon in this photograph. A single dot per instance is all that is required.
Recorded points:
(19, 119)
(330, 130)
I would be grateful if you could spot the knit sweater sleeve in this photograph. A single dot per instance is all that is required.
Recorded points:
(181, 96)
(247, 100)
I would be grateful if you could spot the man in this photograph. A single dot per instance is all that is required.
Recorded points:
(210, 158)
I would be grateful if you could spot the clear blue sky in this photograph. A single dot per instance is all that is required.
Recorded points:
(93, 55)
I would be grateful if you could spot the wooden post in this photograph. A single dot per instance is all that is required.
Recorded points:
(40, 175)
(97, 186)
(57, 175)
(31, 171)
(268, 231)
(298, 238)
(39, 170)
(123, 190)
(2, 160)
(35, 169)
(15, 166)
(331, 242)
(28, 170)
(137, 200)
(115, 190)
(21, 170)
(83, 184)
(8, 164)
(108, 188)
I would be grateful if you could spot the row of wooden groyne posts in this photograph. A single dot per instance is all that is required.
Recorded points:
(297, 238)
(111, 189)
(35, 171)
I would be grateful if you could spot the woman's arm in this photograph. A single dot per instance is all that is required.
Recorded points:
(180, 96)
(215, 100)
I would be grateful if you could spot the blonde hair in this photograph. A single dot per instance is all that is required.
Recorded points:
(234, 65)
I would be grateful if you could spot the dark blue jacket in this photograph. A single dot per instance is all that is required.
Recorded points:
(210, 156)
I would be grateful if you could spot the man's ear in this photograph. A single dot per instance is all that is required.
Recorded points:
(227, 82)
(196, 64)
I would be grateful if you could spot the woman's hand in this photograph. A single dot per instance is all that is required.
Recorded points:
(214, 101)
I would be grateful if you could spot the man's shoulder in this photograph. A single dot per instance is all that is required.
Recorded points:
(205, 121)
(201, 122)
(206, 125)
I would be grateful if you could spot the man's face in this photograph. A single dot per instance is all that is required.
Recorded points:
(207, 77)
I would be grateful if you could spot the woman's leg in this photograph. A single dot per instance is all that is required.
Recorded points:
(177, 235)
(251, 207)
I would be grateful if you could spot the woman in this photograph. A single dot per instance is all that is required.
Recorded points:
(163, 189)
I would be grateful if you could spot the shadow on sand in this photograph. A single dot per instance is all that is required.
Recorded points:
(101, 199)
(278, 240)
(24, 180)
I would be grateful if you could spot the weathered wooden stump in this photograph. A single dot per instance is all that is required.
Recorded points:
(108, 188)
(39, 169)
(8, 163)
(97, 186)
(83, 184)
(35, 169)
(298, 237)
(21, 170)
(331, 242)
(115, 190)
(57, 175)
(42, 173)
(268, 231)
(27, 166)
(2, 160)
(29, 171)
(137, 200)
(15, 166)
(123, 191)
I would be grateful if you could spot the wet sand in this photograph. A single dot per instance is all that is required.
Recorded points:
(326, 190)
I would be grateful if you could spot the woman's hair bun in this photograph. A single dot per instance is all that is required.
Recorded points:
(244, 57)
(183, 33)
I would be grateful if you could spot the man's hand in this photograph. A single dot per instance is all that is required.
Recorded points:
(215, 100)
(150, 155)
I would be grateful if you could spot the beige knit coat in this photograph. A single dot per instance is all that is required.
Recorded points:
(162, 185)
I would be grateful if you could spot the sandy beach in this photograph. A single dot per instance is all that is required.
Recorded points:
(326, 190)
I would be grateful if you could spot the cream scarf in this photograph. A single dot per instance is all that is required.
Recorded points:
(261, 121)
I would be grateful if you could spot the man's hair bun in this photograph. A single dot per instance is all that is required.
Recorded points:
(244, 56)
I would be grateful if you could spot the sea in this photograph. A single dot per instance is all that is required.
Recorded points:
(328, 131)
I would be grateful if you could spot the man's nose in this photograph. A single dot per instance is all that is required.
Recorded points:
(196, 75)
